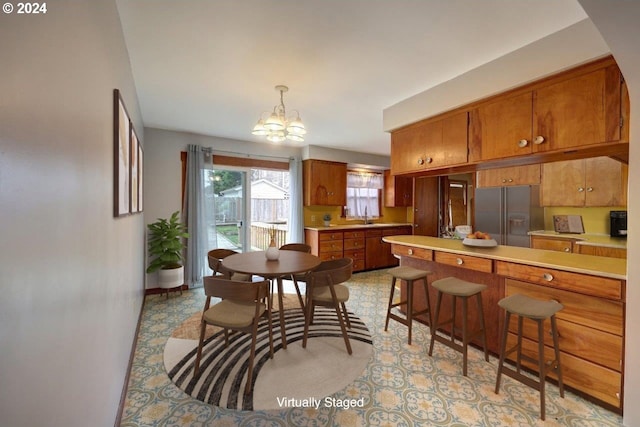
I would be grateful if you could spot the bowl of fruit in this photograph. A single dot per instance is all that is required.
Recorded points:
(479, 239)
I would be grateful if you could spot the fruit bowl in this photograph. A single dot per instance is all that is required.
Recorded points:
(481, 243)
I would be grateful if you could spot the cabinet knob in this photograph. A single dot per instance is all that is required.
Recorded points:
(504, 180)
(523, 143)
(410, 251)
(539, 140)
(589, 189)
(510, 180)
(459, 261)
(429, 160)
(567, 249)
(420, 161)
(580, 189)
(547, 276)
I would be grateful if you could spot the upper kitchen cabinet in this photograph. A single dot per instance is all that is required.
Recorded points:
(599, 181)
(325, 183)
(430, 144)
(398, 190)
(583, 110)
(504, 177)
(501, 128)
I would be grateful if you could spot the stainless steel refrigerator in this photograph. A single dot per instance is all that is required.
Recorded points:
(509, 213)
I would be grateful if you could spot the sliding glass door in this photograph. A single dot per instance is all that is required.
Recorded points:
(225, 208)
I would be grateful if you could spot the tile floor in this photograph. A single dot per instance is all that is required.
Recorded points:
(402, 386)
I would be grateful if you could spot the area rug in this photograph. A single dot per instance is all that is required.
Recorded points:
(296, 376)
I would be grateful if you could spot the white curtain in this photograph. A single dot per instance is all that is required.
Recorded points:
(296, 214)
(363, 194)
(193, 213)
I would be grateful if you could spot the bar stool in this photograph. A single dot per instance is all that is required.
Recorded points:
(458, 288)
(409, 275)
(538, 311)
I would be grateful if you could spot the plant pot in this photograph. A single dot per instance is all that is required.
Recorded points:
(171, 277)
(272, 253)
(327, 223)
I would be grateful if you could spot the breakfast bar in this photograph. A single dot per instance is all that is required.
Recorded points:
(591, 288)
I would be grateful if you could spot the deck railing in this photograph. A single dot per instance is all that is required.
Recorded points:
(261, 235)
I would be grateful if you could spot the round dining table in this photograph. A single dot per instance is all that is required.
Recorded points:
(288, 262)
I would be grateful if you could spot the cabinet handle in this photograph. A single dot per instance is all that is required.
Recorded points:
(580, 189)
(589, 189)
(523, 143)
(420, 161)
(410, 251)
(429, 160)
(504, 180)
(539, 140)
(618, 395)
(510, 180)
(547, 276)
(459, 261)
(567, 249)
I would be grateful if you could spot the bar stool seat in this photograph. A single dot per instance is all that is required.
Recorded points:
(458, 288)
(409, 275)
(538, 311)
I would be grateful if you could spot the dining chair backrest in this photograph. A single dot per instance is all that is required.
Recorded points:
(299, 247)
(236, 291)
(331, 272)
(214, 257)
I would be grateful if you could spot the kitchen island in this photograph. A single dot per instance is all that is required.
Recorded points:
(591, 288)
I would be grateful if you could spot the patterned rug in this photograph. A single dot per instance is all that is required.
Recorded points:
(295, 377)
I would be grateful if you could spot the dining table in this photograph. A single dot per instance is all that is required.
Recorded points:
(288, 263)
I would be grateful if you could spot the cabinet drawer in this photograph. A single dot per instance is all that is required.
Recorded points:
(354, 254)
(597, 381)
(597, 313)
(337, 235)
(331, 246)
(354, 234)
(396, 231)
(354, 243)
(583, 283)
(412, 252)
(328, 256)
(581, 341)
(464, 261)
(552, 244)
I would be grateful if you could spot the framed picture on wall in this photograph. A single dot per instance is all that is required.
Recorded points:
(121, 157)
(135, 170)
(140, 170)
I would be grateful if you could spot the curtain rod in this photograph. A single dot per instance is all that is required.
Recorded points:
(211, 150)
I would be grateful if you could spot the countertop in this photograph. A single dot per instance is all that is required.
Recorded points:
(586, 239)
(614, 268)
(338, 227)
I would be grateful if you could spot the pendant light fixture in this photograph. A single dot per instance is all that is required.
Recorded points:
(276, 127)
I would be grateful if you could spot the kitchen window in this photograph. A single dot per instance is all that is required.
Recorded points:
(364, 190)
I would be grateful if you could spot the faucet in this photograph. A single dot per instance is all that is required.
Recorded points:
(366, 220)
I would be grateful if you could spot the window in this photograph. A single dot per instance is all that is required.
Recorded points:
(363, 194)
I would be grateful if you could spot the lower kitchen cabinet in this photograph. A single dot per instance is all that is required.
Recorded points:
(552, 243)
(354, 248)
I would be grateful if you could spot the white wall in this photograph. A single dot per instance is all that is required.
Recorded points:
(618, 24)
(70, 274)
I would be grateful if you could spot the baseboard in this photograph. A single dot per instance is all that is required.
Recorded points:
(125, 387)
(155, 291)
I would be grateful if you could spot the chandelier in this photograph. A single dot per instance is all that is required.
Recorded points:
(276, 127)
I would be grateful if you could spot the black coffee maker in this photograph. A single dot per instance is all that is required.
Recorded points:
(618, 223)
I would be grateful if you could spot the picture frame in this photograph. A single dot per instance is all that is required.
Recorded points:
(134, 171)
(121, 157)
(140, 175)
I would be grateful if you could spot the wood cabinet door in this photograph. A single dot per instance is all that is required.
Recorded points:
(501, 128)
(551, 244)
(603, 182)
(453, 147)
(563, 183)
(398, 190)
(325, 183)
(582, 110)
(407, 148)
(425, 212)
(376, 256)
(518, 175)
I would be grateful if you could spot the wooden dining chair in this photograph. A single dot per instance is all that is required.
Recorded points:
(215, 257)
(240, 309)
(300, 247)
(324, 289)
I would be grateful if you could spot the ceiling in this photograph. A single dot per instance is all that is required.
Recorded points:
(210, 67)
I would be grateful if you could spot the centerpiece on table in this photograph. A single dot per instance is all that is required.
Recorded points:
(272, 253)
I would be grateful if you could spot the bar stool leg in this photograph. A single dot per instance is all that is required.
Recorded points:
(519, 353)
(393, 289)
(556, 348)
(503, 349)
(482, 325)
(409, 306)
(465, 336)
(541, 368)
(453, 317)
(426, 292)
(434, 327)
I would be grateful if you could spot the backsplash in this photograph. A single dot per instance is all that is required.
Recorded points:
(398, 215)
(595, 220)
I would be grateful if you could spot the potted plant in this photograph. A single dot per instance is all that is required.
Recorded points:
(165, 246)
(327, 219)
